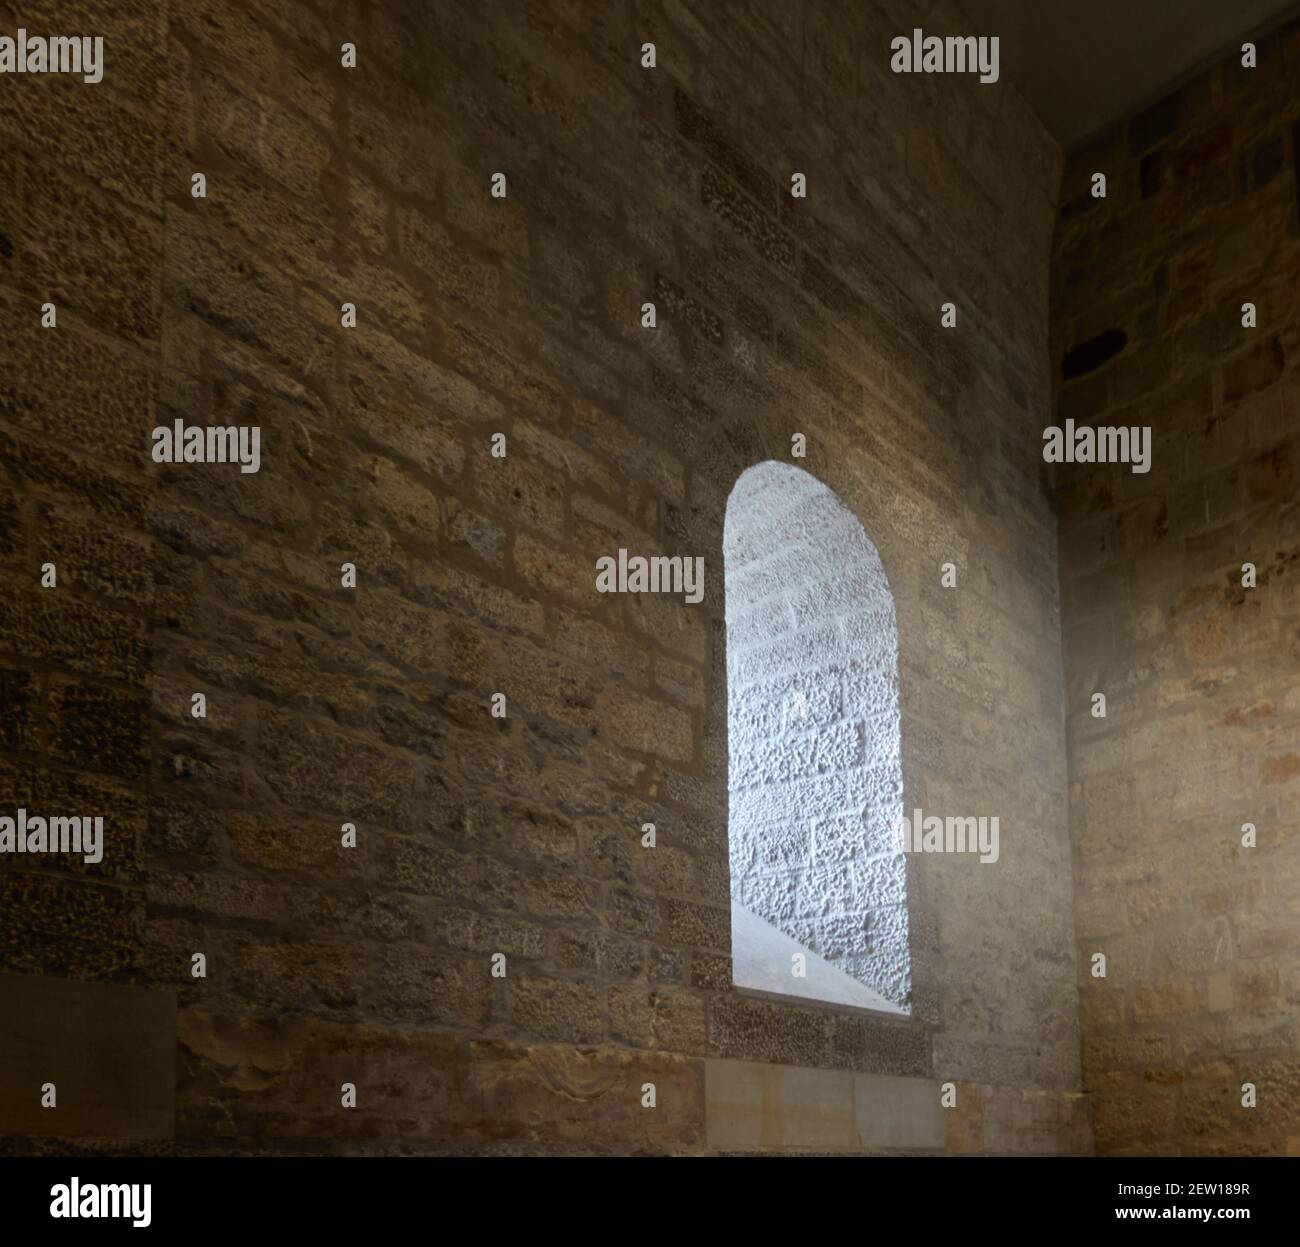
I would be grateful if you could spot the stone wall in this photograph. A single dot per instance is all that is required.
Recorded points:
(370, 706)
(1202, 730)
(815, 786)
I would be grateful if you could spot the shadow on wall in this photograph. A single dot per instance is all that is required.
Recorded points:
(815, 773)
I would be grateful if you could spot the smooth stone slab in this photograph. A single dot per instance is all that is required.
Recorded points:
(753, 1106)
(110, 1051)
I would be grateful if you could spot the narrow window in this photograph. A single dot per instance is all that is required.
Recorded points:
(818, 877)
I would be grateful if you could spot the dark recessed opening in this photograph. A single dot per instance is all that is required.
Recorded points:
(1087, 356)
(1152, 172)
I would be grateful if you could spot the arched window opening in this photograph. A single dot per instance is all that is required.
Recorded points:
(818, 878)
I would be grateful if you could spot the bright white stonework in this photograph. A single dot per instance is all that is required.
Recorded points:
(813, 731)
